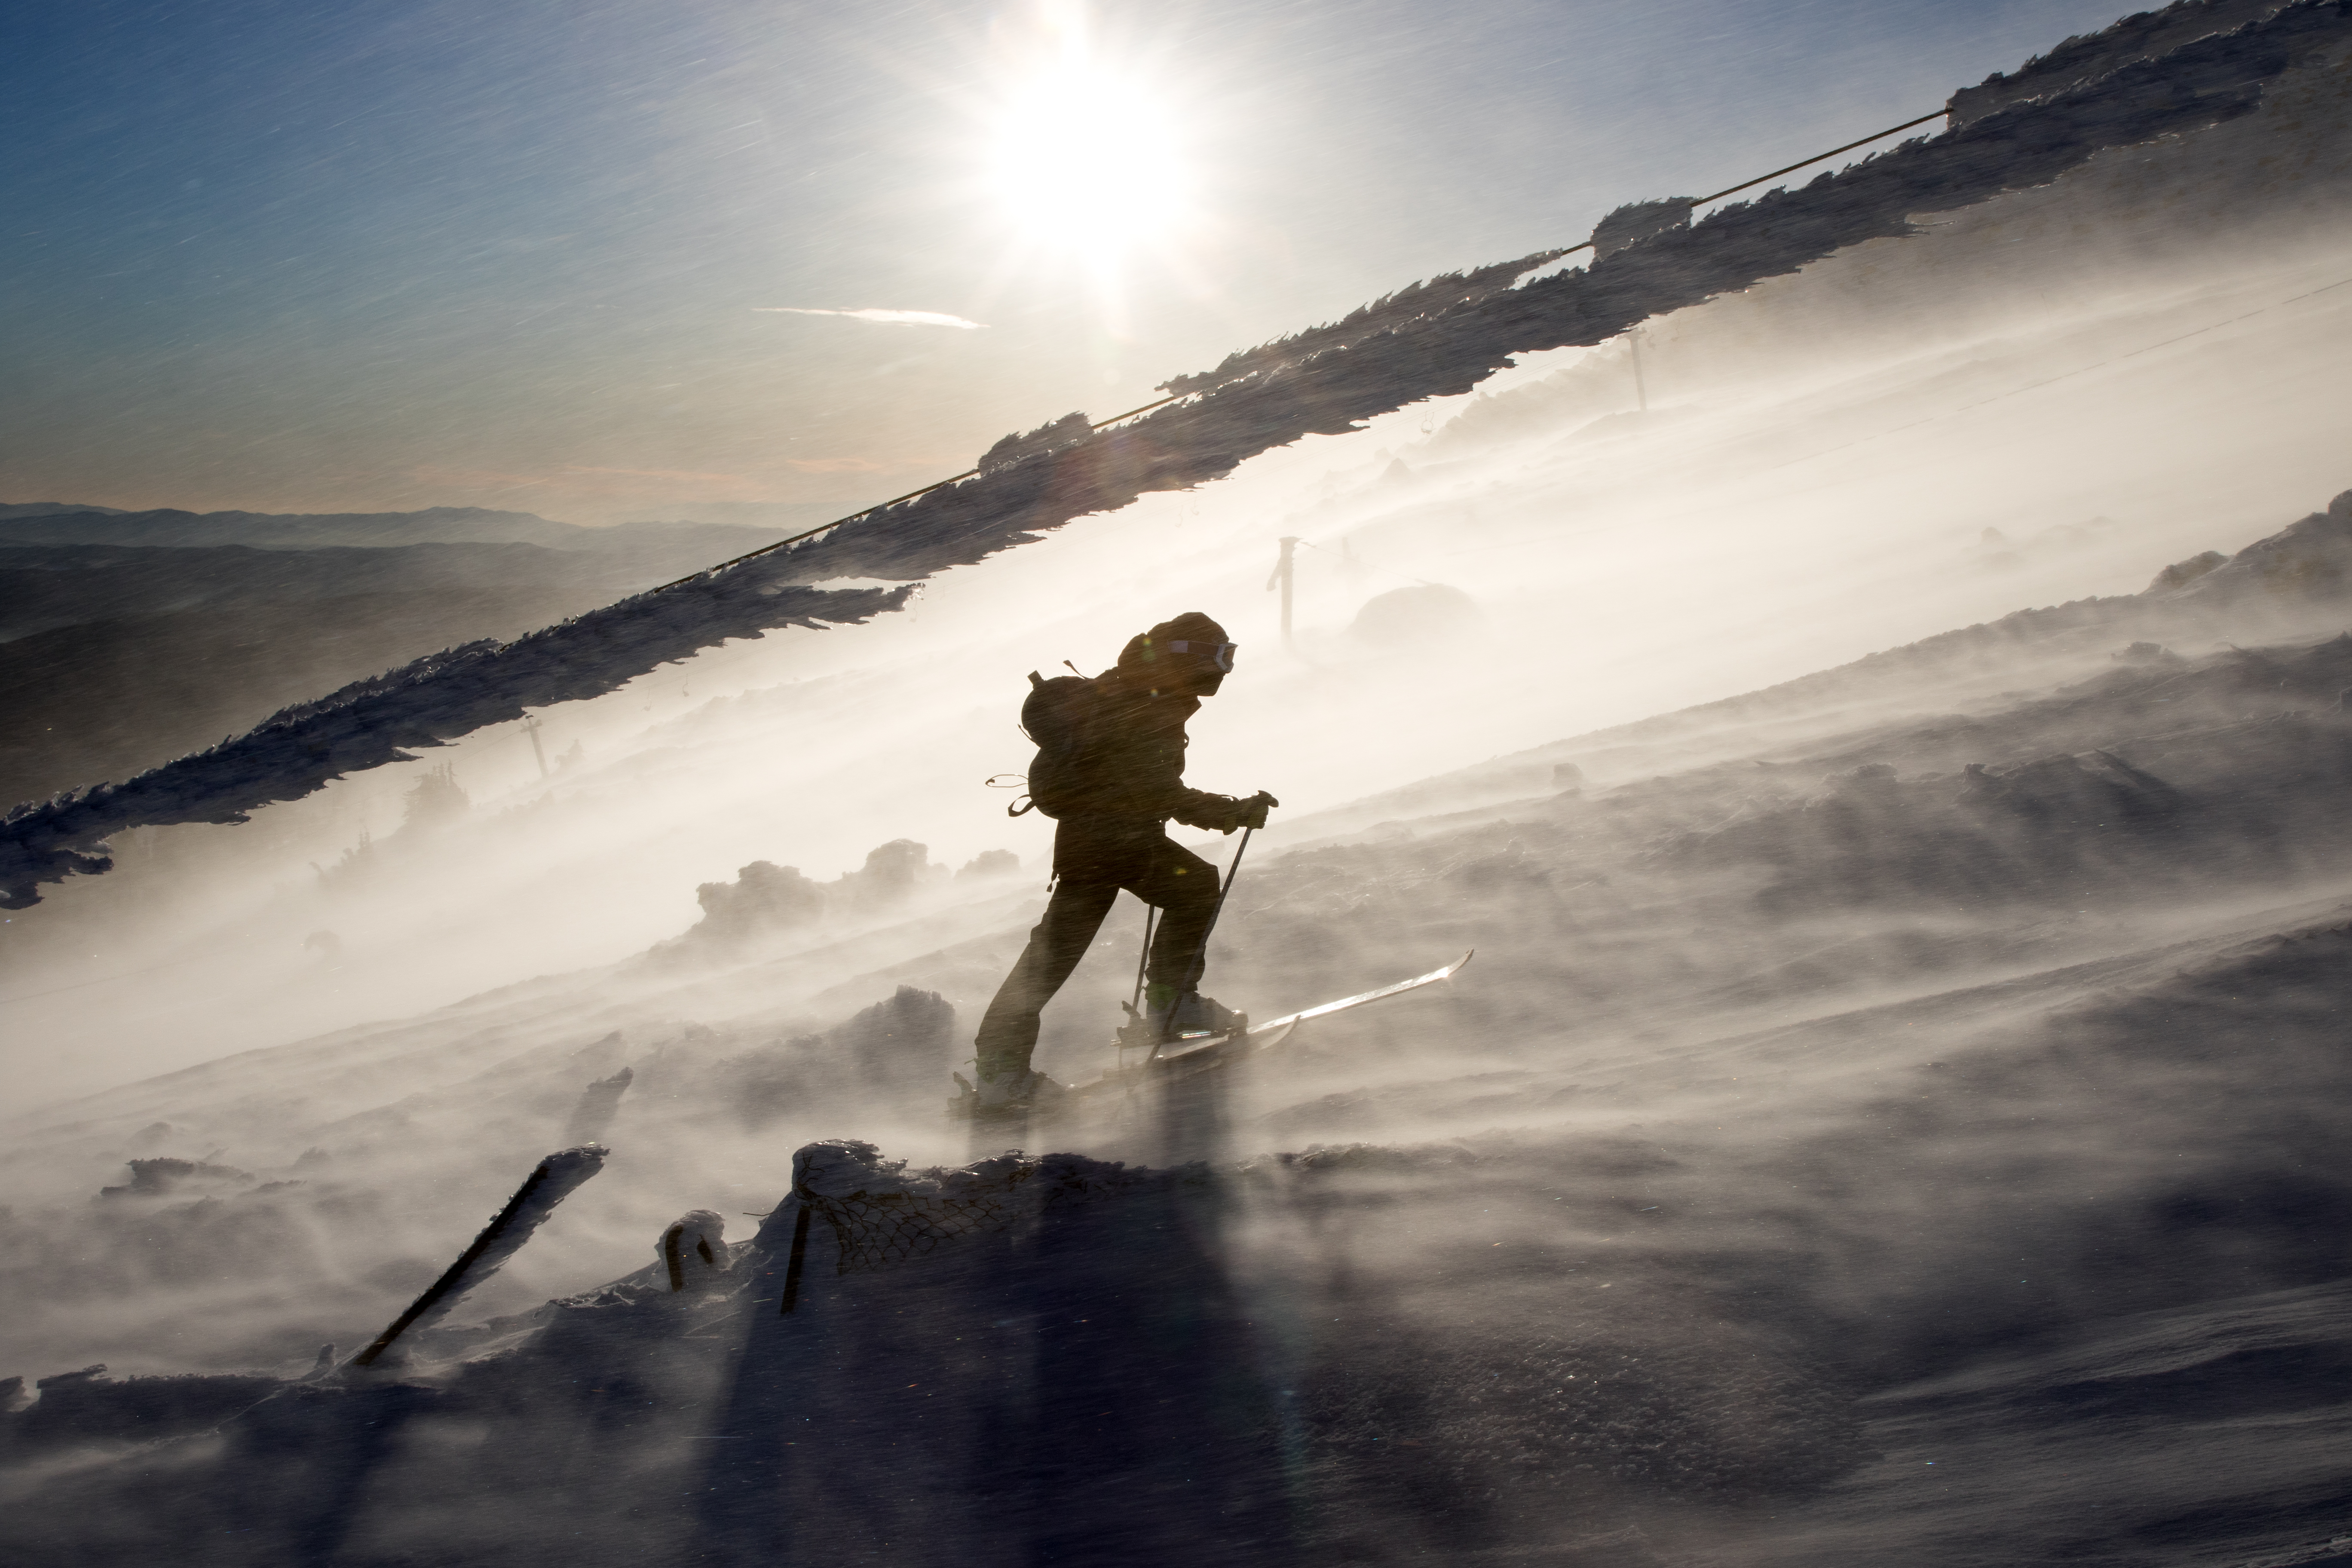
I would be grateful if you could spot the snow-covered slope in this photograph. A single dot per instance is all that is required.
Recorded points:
(1825, 1145)
(2129, 367)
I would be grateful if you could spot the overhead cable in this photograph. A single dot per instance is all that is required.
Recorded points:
(1162, 403)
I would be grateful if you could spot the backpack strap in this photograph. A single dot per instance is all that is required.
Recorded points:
(1024, 806)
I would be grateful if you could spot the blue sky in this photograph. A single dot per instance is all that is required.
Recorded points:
(293, 257)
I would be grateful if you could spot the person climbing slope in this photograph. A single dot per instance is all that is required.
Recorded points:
(1110, 769)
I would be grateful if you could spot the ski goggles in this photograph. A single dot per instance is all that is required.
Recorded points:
(1220, 653)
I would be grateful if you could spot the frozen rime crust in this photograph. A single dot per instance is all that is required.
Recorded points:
(2083, 59)
(882, 1215)
(1456, 341)
(2310, 561)
(598, 1104)
(850, 1167)
(693, 1250)
(554, 1179)
(847, 1167)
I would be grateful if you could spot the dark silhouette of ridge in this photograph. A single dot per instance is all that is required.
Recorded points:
(2085, 57)
(1389, 311)
(117, 657)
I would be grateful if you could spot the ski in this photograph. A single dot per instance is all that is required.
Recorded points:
(1184, 1057)
(1189, 1055)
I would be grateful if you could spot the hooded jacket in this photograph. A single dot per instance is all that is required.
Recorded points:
(1129, 764)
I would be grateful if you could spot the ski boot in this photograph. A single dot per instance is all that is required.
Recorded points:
(1173, 1015)
(1004, 1097)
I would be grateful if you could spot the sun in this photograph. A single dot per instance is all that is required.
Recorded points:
(1085, 157)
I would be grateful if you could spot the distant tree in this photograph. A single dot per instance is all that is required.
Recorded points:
(1409, 303)
(1047, 437)
(434, 801)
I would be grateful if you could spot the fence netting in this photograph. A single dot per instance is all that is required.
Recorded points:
(879, 1230)
(881, 1214)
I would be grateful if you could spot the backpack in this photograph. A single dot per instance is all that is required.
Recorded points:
(1056, 715)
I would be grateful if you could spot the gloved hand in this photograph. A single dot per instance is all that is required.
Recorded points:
(1224, 813)
(1251, 813)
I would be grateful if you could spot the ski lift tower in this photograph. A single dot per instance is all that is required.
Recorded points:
(1281, 579)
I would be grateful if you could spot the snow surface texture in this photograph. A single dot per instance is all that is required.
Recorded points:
(1461, 340)
(1894, 1116)
(1906, 1142)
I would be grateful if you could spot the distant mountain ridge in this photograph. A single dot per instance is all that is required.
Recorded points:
(48, 586)
(166, 526)
(128, 639)
(51, 508)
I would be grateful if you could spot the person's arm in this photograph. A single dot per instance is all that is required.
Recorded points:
(1145, 755)
(1223, 812)
(1140, 760)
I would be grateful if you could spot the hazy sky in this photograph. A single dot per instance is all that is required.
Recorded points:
(604, 259)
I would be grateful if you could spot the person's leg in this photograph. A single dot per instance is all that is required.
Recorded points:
(1184, 887)
(1008, 1030)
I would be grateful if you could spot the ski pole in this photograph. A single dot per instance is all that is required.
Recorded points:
(1143, 958)
(1231, 872)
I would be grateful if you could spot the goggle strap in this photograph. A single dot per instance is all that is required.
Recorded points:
(1222, 653)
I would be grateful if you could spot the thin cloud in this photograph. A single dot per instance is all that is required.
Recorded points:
(660, 473)
(833, 465)
(889, 318)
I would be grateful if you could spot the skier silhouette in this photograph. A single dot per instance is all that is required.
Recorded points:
(1110, 768)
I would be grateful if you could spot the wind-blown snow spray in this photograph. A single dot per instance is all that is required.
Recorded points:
(547, 1187)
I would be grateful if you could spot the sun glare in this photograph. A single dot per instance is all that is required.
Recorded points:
(1085, 157)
